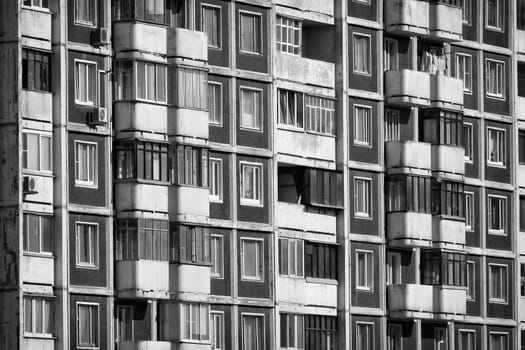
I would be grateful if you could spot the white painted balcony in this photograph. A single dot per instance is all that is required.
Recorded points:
(407, 87)
(312, 293)
(447, 231)
(193, 346)
(139, 196)
(189, 201)
(407, 17)
(188, 122)
(138, 36)
(520, 106)
(409, 228)
(305, 145)
(183, 278)
(144, 345)
(521, 175)
(38, 269)
(323, 7)
(37, 105)
(446, 91)
(446, 22)
(186, 43)
(407, 154)
(38, 343)
(295, 217)
(304, 70)
(449, 302)
(409, 299)
(520, 41)
(43, 189)
(448, 159)
(142, 278)
(35, 24)
(140, 116)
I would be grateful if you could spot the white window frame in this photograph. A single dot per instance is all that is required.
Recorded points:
(219, 24)
(220, 315)
(467, 12)
(502, 334)
(471, 296)
(219, 107)
(218, 260)
(391, 45)
(118, 335)
(471, 333)
(183, 322)
(392, 125)
(298, 333)
(156, 65)
(294, 266)
(216, 171)
(367, 201)
(469, 157)
(366, 125)
(502, 211)
(368, 269)
(259, 259)
(438, 339)
(90, 84)
(500, 153)
(467, 75)
(259, 108)
(92, 164)
(33, 299)
(284, 23)
(97, 309)
(94, 9)
(499, 16)
(367, 325)
(94, 245)
(364, 2)
(505, 269)
(40, 135)
(296, 116)
(368, 72)
(470, 216)
(261, 34)
(393, 272)
(501, 79)
(250, 314)
(389, 337)
(35, 5)
(258, 187)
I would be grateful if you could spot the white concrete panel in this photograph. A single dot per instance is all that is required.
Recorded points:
(408, 154)
(38, 269)
(407, 86)
(304, 70)
(38, 343)
(142, 278)
(182, 279)
(409, 228)
(448, 231)
(411, 16)
(144, 345)
(36, 105)
(35, 24)
(43, 190)
(137, 36)
(313, 293)
(302, 144)
(323, 7)
(139, 196)
(141, 116)
(446, 22)
(188, 122)
(448, 159)
(293, 216)
(446, 90)
(190, 201)
(186, 43)
(409, 297)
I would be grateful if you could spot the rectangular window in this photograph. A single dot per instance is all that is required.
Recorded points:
(464, 70)
(251, 109)
(36, 153)
(38, 317)
(88, 325)
(253, 332)
(217, 330)
(394, 337)
(320, 332)
(211, 24)
(85, 82)
(125, 323)
(153, 11)
(494, 12)
(292, 332)
(362, 125)
(495, 77)
(251, 184)
(320, 260)
(86, 12)
(192, 88)
(444, 268)
(471, 280)
(194, 321)
(142, 160)
(87, 244)
(522, 213)
(498, 341)
(391, 54)
(448, 198)
(469, 211)
(252, 259)
(290, 108)
(496, 151)
(291, 255)
(467, 339)
(521, 147)
(36, 70)
(250, 32)
(323, 188)
(215, 103)
(85, 164)
(138, 239)
(467, 12)
(319, 115)
(408, 193)
(151, 82)
(364, 334)
(393, 265)
(217, 256)
(498, 282)
(37, 3)
(192, 166)
(362, 198)
(468, 142)
(216, 180)
(392, 127)
(440, 338)
(520, 14)
(288, 33)
(497, 211)
(38, 234)
(362, 50)
(522, 280)
(190, 244)
(364, 271)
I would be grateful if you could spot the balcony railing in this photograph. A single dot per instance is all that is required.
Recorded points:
(35, 24)
(448, 232)
(305, 145)
(144, 345)
(407, 154)
(131, 195)
(304, 70)
(446, 91)
(131, 115)
(407, 87)
(409, 228)
(295, 217)
(142, 278)
(448, 159)
(37, 105)
(188, 122)
(189, 44)
(183, 278)
(138, 36)
(313, 293)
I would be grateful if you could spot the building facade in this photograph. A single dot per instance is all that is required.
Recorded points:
(263, 174)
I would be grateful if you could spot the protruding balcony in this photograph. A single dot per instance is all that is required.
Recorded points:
(186, 43)
(182, 278)
(448, 232)
(305, 145)
(189, 202)
(295, 217)
(407, 87)
(37, 105)
(521, 175)
(446, 21)
(520, 106)
(144, 345)
(312, 292)
(520, 41)
(304, 70)
(130, 115)
(40, 189)
(446, 91)
(35, 24)
(131, 195)
(138, 36)
(142, 279)
(449, 303)
(448, 159)
(188, 123)
(408, 154)
(407, 17)
(409, 229)
(38, 269)
(38, 343)
(311, 6)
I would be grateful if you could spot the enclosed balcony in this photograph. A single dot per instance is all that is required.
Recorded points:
(36, 24)
(449, 303)
(142, 279)
(187, 44)
(144, 345)
(297, 217)
(182, 278)
(448, 231)
(409, 228)
(38, 188)
(446, 20)
(407, 17)
(407, 154)
(38, 269)
(189, 202)
(139, 36)
(313, 292)
(448, 159)
(186, 122)
(407, 87)
(304, 70)
(136, 196)
(446, 91)
(305, 145)
(37, 105)
(130, 115)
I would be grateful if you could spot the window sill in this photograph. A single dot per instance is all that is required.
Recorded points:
(498, 301)
(44, 92)
(501, 233)
(496, 165)
(40, 255)
(496, 97)
(86, 185)
(38, 9)
(135, 20)
(40, 336)
(322, 281)
(248, 279)
(364, 289)
(252, 129)
(216, 201)
(197, 263)
(362, 144)
(494, 29)
(362, 216)
(365, 74)
(42, 173)
(251, 53)
(86, 267)
(248, 203)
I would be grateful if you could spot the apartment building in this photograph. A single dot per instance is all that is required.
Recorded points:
(263, 174)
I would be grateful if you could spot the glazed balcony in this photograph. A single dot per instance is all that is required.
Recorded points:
(189, 202)
(38, 269)
(41, 189)
(448, 159)
(407, 154)
(132, 195)
(188, 44)
(520, 106)
(446, 91)
(407, 17)
(144, 345)
(304, 70)
(448, 232)
(313, 292)
(407, 87)
(35, 24)
(132, 115)
(520, 41)
(138, 36)
(305, 145)
(295, 217)
(446, 22)
(142, 279)
(311, 6)
(182, 278)
(37, 105)
(409, 229)
(38, 343)
(188, 123)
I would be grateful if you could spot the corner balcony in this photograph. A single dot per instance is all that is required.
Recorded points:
(304, 70)
(407, 154)
(189, 202)
(295, 217)
(305, 145)
(446, 22)
(407, 17)
(312, 292)
(131, 196)
(35, 24)
(446, 91)
(183, 278)
(142, 279)
(449, 302)
(37, 105)
(520, 41)
(188, 123)
(144, 345)
(448, 232)
(132, 115)
(409, 229)
(42, 191)
(38, 269)
(38, 343)
(137, 36)
(448, 159)
(315, 6)
(407, 87)
(189, 44)
(520, 106)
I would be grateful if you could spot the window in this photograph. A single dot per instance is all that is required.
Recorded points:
(362, 125)
(497, 211)
(291, 254)
(36, 153)
(364, 334)
(85, 82)
(125, 324)
(471, 280)
(468, 142)
(290, 108)
(38, 234)
(464, 70)
(521, 147)
(211, 24)
(494, 12)
(85, 12)
(393, 273)
(251, 184)
(251, 109)
(467, 12)
(440, 338)
(151, 82)
(448, 198)
(143, 10)
(520, 14)
(444, 268)
(190, 244)
(362, 198)
(138, 239)
(37, 3)
(443, 128)
(250, 33)
(498, 341)
(467, 339)
(364, 272)
(38, 317)
(217, 256)
(217, 330)
(252, 332)
(323, 188)
(87, 325)
(215, 103)
(408, 193)
(320, 260)
(320, 115)
(142, 160)
(394, 336)
(495, 76)
(522, 213)
(320, 332)
(391, 53)
(288, 32)
(194, 321)
(362, 50)
(35, 70)
(498, 283)
(522, 280)
(192, 166)
(469, 211)
(87, 244)
(496, 152)
(192, 88)
(392, 127)
(252, 259)
(292, 331)
(216, 182)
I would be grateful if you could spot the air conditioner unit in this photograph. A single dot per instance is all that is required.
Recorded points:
(29, 185)
(98, 117)
(101, 37)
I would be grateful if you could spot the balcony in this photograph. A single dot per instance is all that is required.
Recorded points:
(305, 145)
(295, 217)
(38, 343)
(137, 36)
(142, 279)
(144, 345)
(521, 175)
(189, 202)
(43, 189)
(407, 87)
(446, 22)
(38, 269)
(140, 116)
(36, 24)
(408, 154)
(310, 6)
(182, 278)
(449, 302)
(188, 123)
(37, 105)
(313, 293)
(193, 346)
(407, 17)
(189, 44)
(446, 91)
(448, 231)
(409, 229)
(304, 70)
(131, 195)
(520, 41)
(520, 106)
(448, 159)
